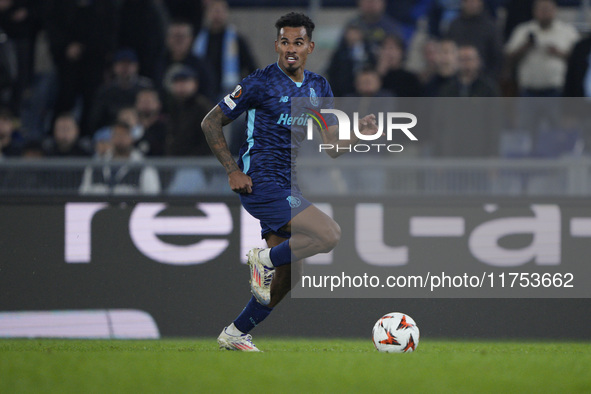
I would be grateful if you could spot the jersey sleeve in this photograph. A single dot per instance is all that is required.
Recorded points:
(328, 98)
(517, 38)
(245, 96)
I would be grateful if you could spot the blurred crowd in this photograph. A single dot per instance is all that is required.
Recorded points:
(77, 76)
(467, 51)
(128, 79)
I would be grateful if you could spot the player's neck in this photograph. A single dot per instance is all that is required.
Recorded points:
(296, 76)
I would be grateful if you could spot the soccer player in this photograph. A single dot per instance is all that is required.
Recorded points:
(292, 227)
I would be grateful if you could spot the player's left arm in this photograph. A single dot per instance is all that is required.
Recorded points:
(367, 126)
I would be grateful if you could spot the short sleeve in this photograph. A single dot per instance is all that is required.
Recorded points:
(245, 96)
(573, 37)
(328, 98)
(517, 39)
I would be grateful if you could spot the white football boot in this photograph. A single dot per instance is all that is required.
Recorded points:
(260, 277)
(241, 343)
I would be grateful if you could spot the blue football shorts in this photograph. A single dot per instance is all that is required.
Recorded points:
(274, 207)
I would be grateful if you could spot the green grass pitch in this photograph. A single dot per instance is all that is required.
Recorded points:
(292, 365)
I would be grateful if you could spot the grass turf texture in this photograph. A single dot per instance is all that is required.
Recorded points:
(292, 365)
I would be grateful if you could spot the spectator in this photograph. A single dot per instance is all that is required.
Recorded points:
(443, 12)
(20, 20)
(446, 61)
(129, 115)
(540, 49)
(368, 83)
(467, 127)
(578, 74)
(11, 140)
(120, 92)
(400, 82)
(141, 27)
(8, 70)
(38, 102)
(370, 98)
(374, 23)
(102, 142)
(186, 109)
(408, 13)
(469, 81)
(475, 27)
(425, 64)
(224, 47)
(148, 107)
(347, 60)
(122, 171)
(191, 11)
(81, 36)
(179, 40)
(66, 140)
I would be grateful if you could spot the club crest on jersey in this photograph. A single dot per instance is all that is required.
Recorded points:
(237, 92)
(294, 202)
(313, 97)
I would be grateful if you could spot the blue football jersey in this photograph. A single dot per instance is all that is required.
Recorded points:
(270, 149)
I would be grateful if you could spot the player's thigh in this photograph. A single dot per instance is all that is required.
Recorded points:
(273, 239)
(313, 222)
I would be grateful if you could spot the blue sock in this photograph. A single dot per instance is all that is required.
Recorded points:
(251, 315)
(281, 254)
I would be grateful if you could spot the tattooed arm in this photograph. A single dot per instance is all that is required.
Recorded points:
(212, 127)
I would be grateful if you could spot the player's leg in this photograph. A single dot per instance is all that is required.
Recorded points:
(235, 336)
(282, 279)
(312, 232)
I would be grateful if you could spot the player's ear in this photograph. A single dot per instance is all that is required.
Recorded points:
(276, 46)
(311, 47)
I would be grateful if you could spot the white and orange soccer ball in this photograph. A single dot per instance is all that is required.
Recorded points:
(396, 333)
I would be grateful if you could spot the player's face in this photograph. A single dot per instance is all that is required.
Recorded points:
(293, 46)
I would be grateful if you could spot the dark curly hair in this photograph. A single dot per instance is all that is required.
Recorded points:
(295, 19)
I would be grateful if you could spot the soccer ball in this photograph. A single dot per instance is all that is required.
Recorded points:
(396, 333)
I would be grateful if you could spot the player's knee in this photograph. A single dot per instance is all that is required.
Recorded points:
(331, 238)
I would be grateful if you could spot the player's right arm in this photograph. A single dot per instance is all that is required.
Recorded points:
(212, 126)
(244, 97)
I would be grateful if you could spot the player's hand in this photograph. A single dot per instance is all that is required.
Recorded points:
(368, 125)
(240, 182)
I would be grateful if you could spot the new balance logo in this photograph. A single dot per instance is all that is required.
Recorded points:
(284, 99)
